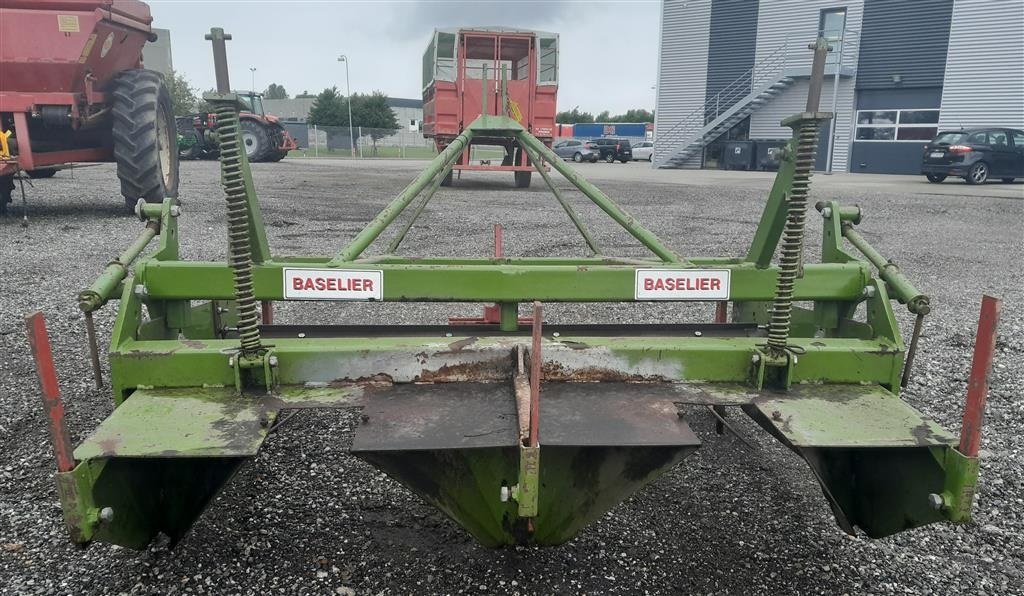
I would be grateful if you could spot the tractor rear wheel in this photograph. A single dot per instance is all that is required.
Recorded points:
(42, 173)
(145, 137)
(6, 191)
(256, 140)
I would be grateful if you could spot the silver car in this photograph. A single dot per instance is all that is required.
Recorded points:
(576, 150)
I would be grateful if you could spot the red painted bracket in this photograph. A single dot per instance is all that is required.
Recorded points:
(977, 384)
(53, 407)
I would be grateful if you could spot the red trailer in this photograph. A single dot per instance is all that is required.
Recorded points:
(72, 89)
(454, 66)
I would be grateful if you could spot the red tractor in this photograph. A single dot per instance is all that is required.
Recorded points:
(264, 137)
(454, 68)
(72, 89)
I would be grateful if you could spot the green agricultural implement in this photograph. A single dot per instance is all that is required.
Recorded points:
(523, 431)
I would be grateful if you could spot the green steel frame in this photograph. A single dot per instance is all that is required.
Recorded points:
(193, 404)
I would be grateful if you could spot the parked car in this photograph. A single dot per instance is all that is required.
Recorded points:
(975, 155)
(644, 150)
(576, 150)
(611, 149)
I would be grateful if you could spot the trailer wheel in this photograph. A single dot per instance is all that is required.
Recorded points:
(256, 140)
(42, 173)
(145, 137)
(523, 179)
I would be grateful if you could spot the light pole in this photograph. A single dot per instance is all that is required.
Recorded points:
(833, 124)
(348, 101)
(252, 69)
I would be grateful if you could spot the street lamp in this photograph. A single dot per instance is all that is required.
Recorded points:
(348, 94)
(252, 69)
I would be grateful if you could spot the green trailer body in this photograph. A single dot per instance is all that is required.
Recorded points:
(523, 431)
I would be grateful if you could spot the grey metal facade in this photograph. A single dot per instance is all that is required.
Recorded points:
(984, 79)
(732, 43)
(961, 59)
(682, 63)
(907, 40)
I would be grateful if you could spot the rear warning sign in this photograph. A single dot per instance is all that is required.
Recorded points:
(682, 284)
(333, 284)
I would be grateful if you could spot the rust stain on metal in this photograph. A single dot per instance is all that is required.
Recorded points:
(555, 371)
(487, 371)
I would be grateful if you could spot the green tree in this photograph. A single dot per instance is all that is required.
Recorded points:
(373, 112)
(634, 115)
(275, 91)
(329, 109)
(574, 116)
(603, 117)
(183, 95)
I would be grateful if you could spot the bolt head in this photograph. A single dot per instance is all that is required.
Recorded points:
(826, 212)
(869, 292)
(505, 494)
(140, 290)
(106, 515)
(175, 210)
(756, 358)
(936, 501)
(272, 360)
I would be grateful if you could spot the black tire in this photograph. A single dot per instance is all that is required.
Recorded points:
(610, 158)
(42, 173)
(6, 192)
(936, 178)
(593, 159)
(145, 137)
(523, 179)
(447, 181)
(256, 140)
(577, 157)
(624, 160)
(1008, 180)
(978, 174)
(276, 156)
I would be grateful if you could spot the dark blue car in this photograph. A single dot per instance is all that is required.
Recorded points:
(975, 155)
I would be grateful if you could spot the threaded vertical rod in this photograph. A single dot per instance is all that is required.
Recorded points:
(792, 242)
(239, 251)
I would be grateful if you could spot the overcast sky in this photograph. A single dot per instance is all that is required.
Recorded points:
(608, 48)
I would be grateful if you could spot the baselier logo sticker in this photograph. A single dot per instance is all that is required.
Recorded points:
(333, 284)
(682, 284)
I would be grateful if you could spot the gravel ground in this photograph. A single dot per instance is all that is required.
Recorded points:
(306, 518)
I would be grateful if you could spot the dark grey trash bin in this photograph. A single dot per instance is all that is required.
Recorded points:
(738, 155)
(769, 153)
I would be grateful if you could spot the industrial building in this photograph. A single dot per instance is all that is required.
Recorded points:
(733, 69)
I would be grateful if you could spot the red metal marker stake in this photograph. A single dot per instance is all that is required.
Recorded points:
(977, 384)
(538, 318)
(53, 407)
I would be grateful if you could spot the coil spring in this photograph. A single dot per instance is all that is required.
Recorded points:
(239, 254)
(792, 244)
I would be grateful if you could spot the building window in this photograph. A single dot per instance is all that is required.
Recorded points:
(897, 125)
(831, 26)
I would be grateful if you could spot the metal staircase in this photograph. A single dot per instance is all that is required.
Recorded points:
(757, 86)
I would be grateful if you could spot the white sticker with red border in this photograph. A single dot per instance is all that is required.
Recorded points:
(682, 284)
(333, 284)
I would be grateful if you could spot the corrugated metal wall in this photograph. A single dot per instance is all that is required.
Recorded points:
(732, 45)
(904, 39)
(795, 23)
(682, 63)
(984, 79)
